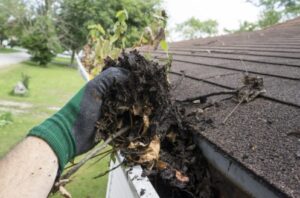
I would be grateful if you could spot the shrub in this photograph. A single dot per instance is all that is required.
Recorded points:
(41, 41)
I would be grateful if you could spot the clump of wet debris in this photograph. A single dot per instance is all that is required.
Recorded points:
(158, 137)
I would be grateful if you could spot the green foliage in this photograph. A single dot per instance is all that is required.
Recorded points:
(268, 18)
(12, 20)
(5, 119)
(164, 46)
(77, 15)
(275, 11)
(244, 27)
(41, 41)
(155, 33)
(194, 28)
(120, 28)
(96, 31)
(3, 27)
(106, 44)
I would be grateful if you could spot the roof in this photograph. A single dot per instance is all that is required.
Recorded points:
(263, 135)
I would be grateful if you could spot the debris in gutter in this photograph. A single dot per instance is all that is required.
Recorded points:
(158, 137)
(142, 192)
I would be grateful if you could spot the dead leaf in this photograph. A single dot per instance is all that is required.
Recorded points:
(146, 124)
(171, 136)
(137, 110)
(161, 165)
(152, 152)
(134, 145)
(181, 177)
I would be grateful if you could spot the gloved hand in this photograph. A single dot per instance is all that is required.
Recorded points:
(71, 131)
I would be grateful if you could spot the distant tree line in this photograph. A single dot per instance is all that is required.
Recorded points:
(195, 28)
(48, 27)
(272, 12)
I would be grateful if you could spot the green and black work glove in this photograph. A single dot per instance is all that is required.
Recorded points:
(71, 131)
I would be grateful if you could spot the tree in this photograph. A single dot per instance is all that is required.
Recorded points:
(275, 11)
(3, 27)
(12, 16)
(41, 40)
(39, 36)
(74, 16)
(268, 18)
(245, 26)
(194, 28)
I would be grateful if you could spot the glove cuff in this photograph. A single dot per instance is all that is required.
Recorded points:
(53, 131)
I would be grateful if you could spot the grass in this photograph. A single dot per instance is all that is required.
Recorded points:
(49, 87)
(7, 50)
(62, 60)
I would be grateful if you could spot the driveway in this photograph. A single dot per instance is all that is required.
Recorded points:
(12, 58)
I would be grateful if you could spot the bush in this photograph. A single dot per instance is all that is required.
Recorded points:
(41, 41)
(38, 48)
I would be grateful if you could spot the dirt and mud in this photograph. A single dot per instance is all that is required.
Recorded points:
(160, 137)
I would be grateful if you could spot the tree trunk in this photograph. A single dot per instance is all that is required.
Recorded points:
(47, 6)
(72, 58)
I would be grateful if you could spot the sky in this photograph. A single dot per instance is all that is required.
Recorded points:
(228, 13)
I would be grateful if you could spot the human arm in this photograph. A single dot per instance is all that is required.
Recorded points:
(28, 170)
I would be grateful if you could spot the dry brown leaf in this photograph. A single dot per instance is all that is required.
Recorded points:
(146, 124)
(181, 177)
(134, 145)
(160, 165)
(137, 109)
(171, 136)
(152, 152)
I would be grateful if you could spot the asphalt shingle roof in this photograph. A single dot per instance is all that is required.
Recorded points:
(263, 135)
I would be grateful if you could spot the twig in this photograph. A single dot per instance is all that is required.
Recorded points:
(245, 67)
(93, 153)
(226, 118)
(203, 98)
(179, 81)
(108, 171)
(105, 152)
(102, 157)
(64, 192)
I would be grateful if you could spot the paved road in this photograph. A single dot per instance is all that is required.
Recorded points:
(12, 58)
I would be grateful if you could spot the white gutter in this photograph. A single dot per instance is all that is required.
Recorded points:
(81, 68)
(236, 173)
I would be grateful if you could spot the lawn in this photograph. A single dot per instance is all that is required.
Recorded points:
(50, 88)
(7, 50)
(62, 60)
